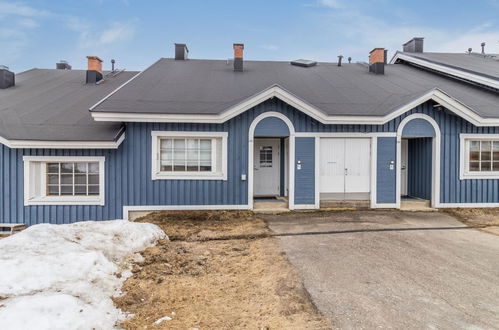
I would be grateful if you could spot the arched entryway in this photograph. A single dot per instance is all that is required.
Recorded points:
(270, 158)
(418, 159)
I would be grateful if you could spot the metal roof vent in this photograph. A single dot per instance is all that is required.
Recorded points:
(304, 63)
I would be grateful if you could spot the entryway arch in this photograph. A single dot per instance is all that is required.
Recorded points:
(272, 125)
(425, 128)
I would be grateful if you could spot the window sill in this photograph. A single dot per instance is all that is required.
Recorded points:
(97, 200)
(479, 175)
(189, 176)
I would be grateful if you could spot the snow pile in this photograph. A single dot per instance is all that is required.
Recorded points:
(62, 276)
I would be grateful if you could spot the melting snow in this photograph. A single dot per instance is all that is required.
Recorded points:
(63, 276)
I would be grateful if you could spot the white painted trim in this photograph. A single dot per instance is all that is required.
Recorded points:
(218, 174)
(279, 92)
(435, 181)
(63, 200)
(464, 174)
(385, 206)
(251, 133)
(467, 205)
(127, 209)
(445, 69)
(374, 170)
(305, 207)
(33, 144)
(317, 174)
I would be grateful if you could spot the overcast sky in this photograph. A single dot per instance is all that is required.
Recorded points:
(38, 33)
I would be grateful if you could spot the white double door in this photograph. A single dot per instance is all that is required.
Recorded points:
(345, 165)
(266, 167)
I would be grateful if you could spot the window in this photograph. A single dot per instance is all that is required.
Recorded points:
(266, 156)
(479, 156)
(189, 155)
(63, 180)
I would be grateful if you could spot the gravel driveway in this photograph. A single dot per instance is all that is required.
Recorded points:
(391, 269)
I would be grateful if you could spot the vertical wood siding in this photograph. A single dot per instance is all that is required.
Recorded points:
(128, 169)
(305, 177)
(386, 176)
(419, 170)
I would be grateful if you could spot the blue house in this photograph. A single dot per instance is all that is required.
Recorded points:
(189, 134)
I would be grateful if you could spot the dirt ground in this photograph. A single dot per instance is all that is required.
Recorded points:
(220, 270)
(485, 219)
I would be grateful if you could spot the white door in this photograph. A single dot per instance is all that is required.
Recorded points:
(345, 167)
(404, 151)
(266, 167)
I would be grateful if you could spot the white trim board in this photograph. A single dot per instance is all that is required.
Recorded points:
(463, 156)
(33, 144)
(477, 78)
(276, 91)
(128, 208)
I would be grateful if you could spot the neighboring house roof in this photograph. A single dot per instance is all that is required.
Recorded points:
(52, 105)
(478, 68)
(195, 88)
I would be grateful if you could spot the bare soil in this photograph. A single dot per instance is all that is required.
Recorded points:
(484, 219)
(220, 270)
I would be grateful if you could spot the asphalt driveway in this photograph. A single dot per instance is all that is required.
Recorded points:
(391, 269)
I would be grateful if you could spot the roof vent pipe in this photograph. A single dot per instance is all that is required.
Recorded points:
(181, 52)
(238, 57)
(349, 59)
(112, 64)
(62, 65)
(94, 69)
(470, 50)
(339, 60)
(483, 48)
(377, 61)
(7, 77)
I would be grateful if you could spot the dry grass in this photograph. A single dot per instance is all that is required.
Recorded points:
(211, 281)
(485, 219)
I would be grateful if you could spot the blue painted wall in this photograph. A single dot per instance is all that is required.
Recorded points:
(271, 127)
(386, 176)
(418, 127)
(128, 169)
(305, 177)
(419, 169)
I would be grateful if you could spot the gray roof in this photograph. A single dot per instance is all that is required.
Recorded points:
(484, 65)
(211, 86)
(52, 105)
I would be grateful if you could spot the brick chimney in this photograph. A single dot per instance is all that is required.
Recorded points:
(238, 57)
(94, 69)
(377, 61)
(7, 77)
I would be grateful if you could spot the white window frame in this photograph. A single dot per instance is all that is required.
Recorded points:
(464, 172)
(218, 172)
(44, 199)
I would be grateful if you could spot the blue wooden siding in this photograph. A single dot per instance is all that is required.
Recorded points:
(386, 175)
(418, 128)
(305, 176)
(128, 169)
(419, 170)
(271, 126)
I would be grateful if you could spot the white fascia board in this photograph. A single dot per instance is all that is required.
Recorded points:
(32, 144)
(445, 69)
(276, 91)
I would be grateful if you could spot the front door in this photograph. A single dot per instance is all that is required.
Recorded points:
(266, 167)
(404, 152)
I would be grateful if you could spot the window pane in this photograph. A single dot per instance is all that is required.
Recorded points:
(474, 155)
(485, 166)
(266, 156)
(495, 150)
(93, 179)
(205, 144)
(81, 168)
(205, 167)
(66, 178)
(53, 190)
(93, 167)
(93, 190)
(474, 166)
(485, 150)
(80, 179)
(166, 144)
(53, 168)
(67, 167)
(67, 190)
(53, 179)
(495, 166)
(81, 190)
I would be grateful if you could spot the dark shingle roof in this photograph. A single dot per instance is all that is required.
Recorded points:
(52, 105)
(211, 86)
